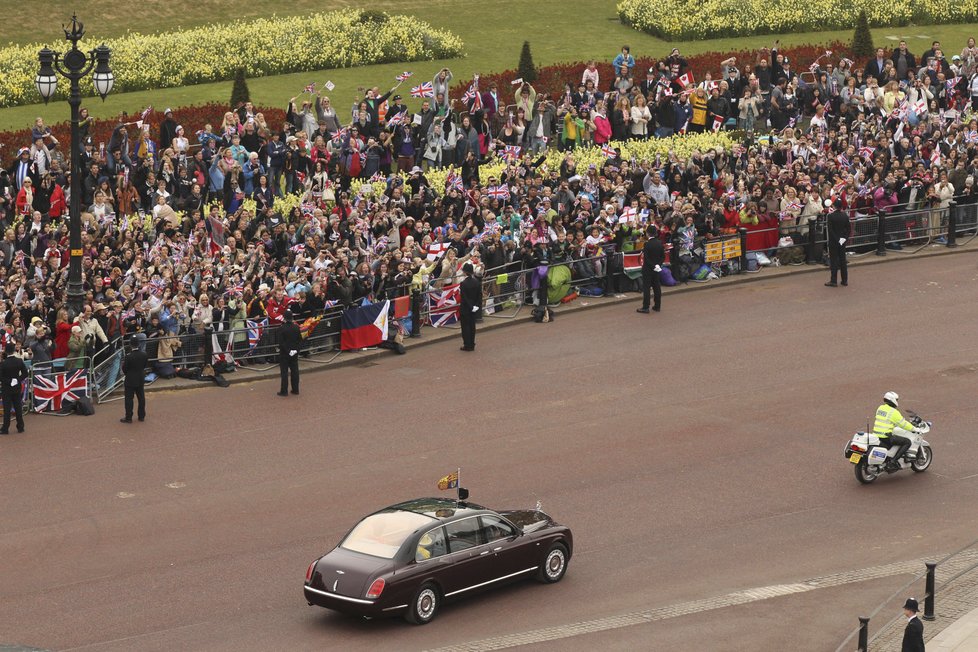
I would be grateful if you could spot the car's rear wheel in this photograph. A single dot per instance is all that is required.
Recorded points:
(554, 564)
(424, 606)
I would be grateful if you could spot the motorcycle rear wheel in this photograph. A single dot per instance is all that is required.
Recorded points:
(864, 474)
(924, 457)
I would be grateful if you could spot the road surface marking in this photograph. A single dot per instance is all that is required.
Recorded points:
(697, 606)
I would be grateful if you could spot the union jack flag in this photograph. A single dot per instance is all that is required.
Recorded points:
(843, 161)
(512, 151)
(443, 306)
(310, 88)
(222, 353)
(971, 137)
(498, 192)
(951, 83)
(398, 119)
(608, 151)
(453, 181)
(404, 75)
(866, 152)
(145, 113)
(424, 90)
(50, 390)
(255, 330)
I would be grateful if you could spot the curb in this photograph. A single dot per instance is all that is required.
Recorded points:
(309, 365)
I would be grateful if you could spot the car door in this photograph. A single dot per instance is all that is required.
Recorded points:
(471, 557)
(507, 547)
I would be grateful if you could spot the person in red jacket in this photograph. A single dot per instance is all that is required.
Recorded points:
(62, 332)
(59, 204)
(25, 198)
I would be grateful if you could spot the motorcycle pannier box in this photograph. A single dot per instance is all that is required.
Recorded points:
(877, 456)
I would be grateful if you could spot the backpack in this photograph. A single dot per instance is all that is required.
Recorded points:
(752, 263)
(702, 273)
(665, 276)
(84, 406)
(792, 256)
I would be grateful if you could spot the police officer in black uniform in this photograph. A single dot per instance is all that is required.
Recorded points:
(838, 234)
(13, 374)
(654, 255)
(470, 290)
(134, 368)
(289, 345)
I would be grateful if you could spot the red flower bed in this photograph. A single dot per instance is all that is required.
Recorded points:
(192, 118)
(551, 79)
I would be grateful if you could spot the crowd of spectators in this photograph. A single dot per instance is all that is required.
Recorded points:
(189, 232)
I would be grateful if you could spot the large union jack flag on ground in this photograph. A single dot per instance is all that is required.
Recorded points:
(51, 390)
(443, 306)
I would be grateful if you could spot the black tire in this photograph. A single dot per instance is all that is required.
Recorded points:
(922, 462)
(863, 474)
(553, 565)
(424, 606)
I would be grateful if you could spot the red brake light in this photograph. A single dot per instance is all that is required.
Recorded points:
(309, 570)
(376, 588)
(857, 448)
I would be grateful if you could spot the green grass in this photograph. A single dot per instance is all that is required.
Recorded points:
(558, 30)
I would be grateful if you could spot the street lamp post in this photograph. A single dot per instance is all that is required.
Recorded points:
(74, 65)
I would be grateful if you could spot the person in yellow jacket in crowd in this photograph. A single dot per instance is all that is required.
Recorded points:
(888, 417)
(698, 102)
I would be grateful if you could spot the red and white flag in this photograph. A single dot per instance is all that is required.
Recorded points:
(310, 88)
(717, 122)
(608, 151)
(685, 80)
(424, 90)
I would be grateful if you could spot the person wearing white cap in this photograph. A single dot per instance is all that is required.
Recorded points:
(23, 168)
(180, 143)
(168, 129)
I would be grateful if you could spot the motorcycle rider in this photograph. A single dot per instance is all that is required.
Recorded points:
(888, 417)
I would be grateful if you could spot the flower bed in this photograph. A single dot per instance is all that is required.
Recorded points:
(551, 79)
(192, 118)
(679, 20)
(267, 46)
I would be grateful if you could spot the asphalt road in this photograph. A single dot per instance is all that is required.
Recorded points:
(695, 453)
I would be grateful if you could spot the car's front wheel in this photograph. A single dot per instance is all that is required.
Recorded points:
(554, 564)
(424, 606)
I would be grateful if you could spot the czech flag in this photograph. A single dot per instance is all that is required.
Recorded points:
(364, 326)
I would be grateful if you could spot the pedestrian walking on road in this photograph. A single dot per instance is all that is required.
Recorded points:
(470, 290)
(913, 635)
(134, 369)
(654, 255)
(13, 374)
(289, 344)
(839, 229)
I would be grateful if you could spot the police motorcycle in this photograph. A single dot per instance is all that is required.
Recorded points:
(869, 457)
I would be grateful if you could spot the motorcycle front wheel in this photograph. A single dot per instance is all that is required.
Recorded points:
(923, 459)
(864, 474)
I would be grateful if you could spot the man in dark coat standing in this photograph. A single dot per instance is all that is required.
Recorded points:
(654, 255)
(470, 290)
(838, 235)
(134, 368)
(13, 374)
(289, 344)
(913, 635)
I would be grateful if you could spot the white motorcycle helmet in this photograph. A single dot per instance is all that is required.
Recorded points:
(892, 397)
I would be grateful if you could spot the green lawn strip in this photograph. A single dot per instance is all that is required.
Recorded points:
(567, 30)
